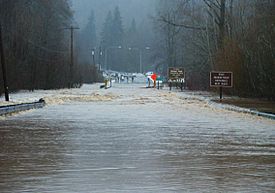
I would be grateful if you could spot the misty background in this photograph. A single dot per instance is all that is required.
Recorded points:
(141, 10)
(131, 51)
(42, 51)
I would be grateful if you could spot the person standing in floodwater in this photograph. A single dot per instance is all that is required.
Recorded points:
(148, 82)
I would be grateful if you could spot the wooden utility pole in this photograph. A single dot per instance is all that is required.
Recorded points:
(3, 66)
(72, 55)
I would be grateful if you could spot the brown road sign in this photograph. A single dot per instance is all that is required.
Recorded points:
(221, 79)
(176, 73)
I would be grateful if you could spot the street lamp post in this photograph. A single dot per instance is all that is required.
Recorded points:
(140, 61)
(94, 71)
(106, 54)
(140, 57)
(93, 54)
(141, 66)
(99, 63)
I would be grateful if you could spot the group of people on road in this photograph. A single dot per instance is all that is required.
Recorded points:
(122, 78)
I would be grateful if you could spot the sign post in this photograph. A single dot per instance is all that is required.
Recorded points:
(221, 80)
(176, 75)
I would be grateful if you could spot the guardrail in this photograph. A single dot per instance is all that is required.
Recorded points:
(6, 110)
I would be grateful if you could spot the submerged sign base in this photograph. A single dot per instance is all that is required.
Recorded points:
(221, 80)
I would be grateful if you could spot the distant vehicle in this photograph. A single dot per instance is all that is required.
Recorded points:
(160, 81)
(149, 74)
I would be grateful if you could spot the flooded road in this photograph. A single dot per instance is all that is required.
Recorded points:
(131, 139)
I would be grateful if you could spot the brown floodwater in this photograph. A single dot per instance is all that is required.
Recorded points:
(139, 141)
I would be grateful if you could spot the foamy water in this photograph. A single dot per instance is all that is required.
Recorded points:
(132, 139)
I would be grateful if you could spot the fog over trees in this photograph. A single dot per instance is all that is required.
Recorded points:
(124, 33)
(139, 36)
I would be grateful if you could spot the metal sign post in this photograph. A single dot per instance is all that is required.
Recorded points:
(221, 80)
(220, 93)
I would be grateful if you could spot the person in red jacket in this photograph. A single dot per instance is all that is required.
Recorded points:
(154, 77)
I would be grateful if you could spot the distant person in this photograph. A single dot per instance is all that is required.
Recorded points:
(148, 80)
(132, 79)
(154, 78)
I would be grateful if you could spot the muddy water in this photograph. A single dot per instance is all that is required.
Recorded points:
(140, 141)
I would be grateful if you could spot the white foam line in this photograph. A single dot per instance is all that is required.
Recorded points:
(97, 169)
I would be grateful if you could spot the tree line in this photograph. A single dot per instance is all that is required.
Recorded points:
(37, 44)
(221, 35)
(113, 47)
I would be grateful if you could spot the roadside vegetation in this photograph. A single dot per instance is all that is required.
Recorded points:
(199, 35)
(221, 35)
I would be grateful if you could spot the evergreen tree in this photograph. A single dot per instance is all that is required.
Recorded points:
(117, 28)
(112, 40)
(131, 40)
(88, 40)
(132, 35)
(106, 35)
(118, 62)
(90, 31)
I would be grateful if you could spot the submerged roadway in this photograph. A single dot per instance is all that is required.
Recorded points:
(131, 139)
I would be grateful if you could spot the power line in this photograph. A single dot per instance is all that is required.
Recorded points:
(46, 49)
(12, 34)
